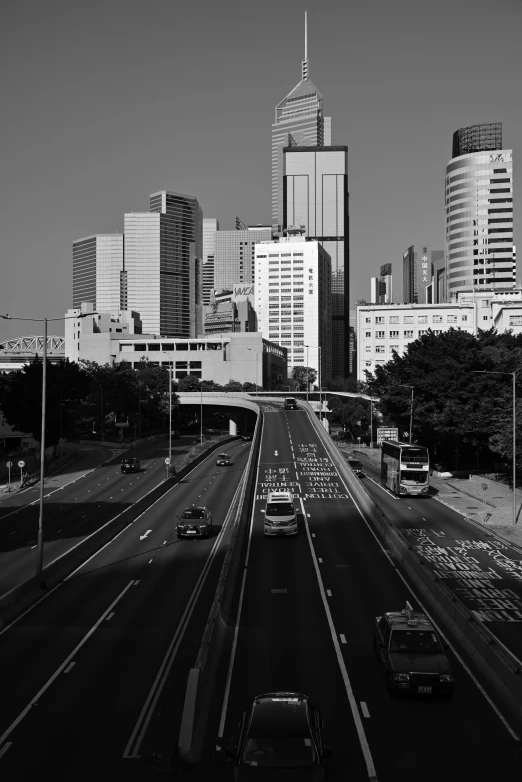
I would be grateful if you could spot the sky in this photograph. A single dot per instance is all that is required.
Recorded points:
(107, 101)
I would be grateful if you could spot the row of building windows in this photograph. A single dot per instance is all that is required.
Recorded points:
(381, 319)
(281, 255)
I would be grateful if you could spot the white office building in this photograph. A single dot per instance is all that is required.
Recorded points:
(98, 271)
(293, 299)
(383, 329)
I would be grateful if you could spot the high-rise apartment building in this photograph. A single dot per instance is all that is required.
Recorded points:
(316, 197)
(479, 211)
(417, 273)
(98, 272)
(292, 293)
(234, 255)
(381, 287)
(163, 254)
(210, 226)
(299, 121)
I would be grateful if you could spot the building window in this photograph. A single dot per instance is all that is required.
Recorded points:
(379, 348)
(394, 319)
(436, 318)
(379, 319)
(515, 320)
(394, 334)
(167, 346)
(464, 317)
(485, 317)
(367, 333)
(422, 332)
(367, 363)
(408, 319)
(181, 364)
(260, 256)
(380, 334)
(300, 254)
(452, 318)
(368, 349)
(367, 320)
(179, 375)
(423, 319)
(138, 346)
(408, 334)
(195, 365)
(394, 347)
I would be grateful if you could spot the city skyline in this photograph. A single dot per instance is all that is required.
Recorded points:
(82, 128)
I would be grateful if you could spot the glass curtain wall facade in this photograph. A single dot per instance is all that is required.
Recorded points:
(142, 264)
(479, 221)
(97, 270)
(234, 257)
(210, 226)
(315, 196)
(417, 273)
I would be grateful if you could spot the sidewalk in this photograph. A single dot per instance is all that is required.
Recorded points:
(465, 495)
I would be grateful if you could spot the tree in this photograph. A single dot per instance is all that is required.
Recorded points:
(189, 383)
(66, 385)
(233, 385)
(300, 375)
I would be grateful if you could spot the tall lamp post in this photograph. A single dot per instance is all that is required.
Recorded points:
(514, 376)
(411, 406)
(317, 347)
(45, 321)
(170, 417)
(371, 423)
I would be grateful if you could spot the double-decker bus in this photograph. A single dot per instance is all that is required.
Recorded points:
(405, 469)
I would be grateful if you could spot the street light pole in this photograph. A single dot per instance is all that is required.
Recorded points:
(371, 423)
(514, 376)
(39, 561)
(411, 406)
(307, 374)
(170, 416)
(201, 412)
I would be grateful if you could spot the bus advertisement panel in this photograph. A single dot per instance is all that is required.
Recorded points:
(405, 469)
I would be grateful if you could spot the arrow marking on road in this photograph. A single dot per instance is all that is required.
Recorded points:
(144, 536)
(276, 453)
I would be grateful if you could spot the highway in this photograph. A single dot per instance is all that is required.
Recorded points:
(481, 568)
(76, 509)
(307, 609)
(81, 672)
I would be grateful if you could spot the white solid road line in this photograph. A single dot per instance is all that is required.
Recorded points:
(363, 741)
(364, 709)
(62, 667)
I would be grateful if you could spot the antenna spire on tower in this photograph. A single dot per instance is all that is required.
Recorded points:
(305, 61)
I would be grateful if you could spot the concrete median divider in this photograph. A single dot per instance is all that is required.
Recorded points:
(202, 677)
(21, 597)
(500, 668)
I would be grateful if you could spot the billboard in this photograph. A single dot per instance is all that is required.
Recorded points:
(387, 433)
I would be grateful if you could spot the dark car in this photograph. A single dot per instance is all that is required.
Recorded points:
(223, 460)
(280, 738)
(130, 465)
(356, 466)
(194, 522)
(246, 437)
(413, 656)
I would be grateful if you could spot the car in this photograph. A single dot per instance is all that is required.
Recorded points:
(356, 466)
(223, 460)
(412, 654)
(280, 516)
(280, 738)
(290, 403)
(194, 522)
(246, 437)
(130, 465)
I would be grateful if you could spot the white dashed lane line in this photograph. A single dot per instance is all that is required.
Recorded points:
(343, 639)
(70, 667)
(364, 709)
(329, 592)
(110, 616)
(320, 560)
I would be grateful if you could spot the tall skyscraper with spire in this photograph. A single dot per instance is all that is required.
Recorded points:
(299, 121)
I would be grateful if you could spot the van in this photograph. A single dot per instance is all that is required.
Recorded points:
(291, 403)
(280, 515)
(356, 466)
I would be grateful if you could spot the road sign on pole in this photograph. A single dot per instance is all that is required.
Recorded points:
(21, 463)
(167, 460)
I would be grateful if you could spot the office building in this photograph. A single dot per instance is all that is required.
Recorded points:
(98, 271)
(293, 299)
(298, 121)
(479, 211)
(230, 311)
(84, 321)
(383, 329)
(381, 287)
(316, 197)
(210, 226)
(235, 255)
(417, 272)
(163, 254)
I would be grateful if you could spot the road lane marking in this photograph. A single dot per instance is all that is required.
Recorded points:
(313, 534)
(32, 547)
(5, 748)
(343, 638)
(150, 560)
(363, 741)
(364, 709)
(110, 616)
(62, 667)
(70, 667)
(320, 560)
(329, 592)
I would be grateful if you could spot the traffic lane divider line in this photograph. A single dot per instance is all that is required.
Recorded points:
(364, 709)
(62, 667)
(363, 741)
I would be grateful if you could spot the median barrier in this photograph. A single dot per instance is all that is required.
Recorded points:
(202, 677)
(499, 667)
(21, 597)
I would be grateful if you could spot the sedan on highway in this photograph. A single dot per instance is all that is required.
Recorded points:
(194, 522)
(413, 656)
(223, 460)
(280, 738)
(246, 437)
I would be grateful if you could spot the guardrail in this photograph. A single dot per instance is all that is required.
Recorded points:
(21, 597)
(498, 665)
(201, 678)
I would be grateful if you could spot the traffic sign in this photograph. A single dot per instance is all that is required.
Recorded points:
(167, 460)
(9, 464)
(21, 463)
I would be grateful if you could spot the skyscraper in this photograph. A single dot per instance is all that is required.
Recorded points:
(417, 273)
(210, 226)
(299, 121)
(234, 256)
(163, 253)
(316, 197)
(98, 272)
(479, 211)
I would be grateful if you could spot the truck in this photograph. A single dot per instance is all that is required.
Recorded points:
(290, 403)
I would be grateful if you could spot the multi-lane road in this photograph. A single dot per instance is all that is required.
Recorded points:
(80, 673)
(94, 676)
(306, 620)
